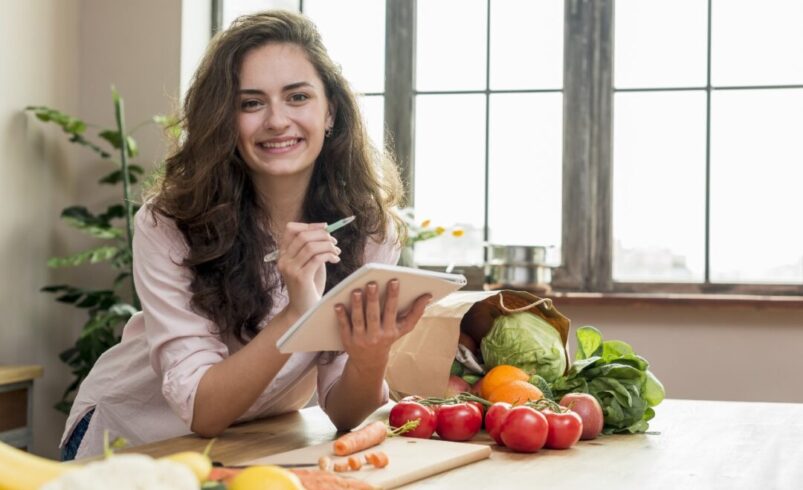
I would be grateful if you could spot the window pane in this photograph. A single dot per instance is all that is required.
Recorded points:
(659, 186)
(526, 144)
(660, 43)
(757, 42)
(756, 173)
(450, 53)
(373, 112)
(450, 175)
(235, 8)
(362, 55)
(534, 28)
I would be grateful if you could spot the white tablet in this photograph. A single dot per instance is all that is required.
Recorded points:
(317, 329)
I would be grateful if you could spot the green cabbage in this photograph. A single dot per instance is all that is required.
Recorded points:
(526, 341)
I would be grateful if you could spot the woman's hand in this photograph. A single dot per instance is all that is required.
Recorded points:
(371, 329)
(304, 250)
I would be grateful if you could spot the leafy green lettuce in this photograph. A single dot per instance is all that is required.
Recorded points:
(526, 341)
(619, 379)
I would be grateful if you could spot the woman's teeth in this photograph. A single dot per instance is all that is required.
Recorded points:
(282, 144)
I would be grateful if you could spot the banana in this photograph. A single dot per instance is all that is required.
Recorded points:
(25, 471)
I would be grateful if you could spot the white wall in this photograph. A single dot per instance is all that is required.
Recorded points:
(708, 352)
(66, 54)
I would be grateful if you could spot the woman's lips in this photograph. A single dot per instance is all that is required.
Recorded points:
(282, 146)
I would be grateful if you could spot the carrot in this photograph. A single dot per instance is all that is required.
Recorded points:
(354, 463)
(322, 480)
(223, 473)
(341, 467)
(378, 459)
(369, 436)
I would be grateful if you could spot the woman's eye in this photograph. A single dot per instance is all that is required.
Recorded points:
(250, 104)
(299, 97)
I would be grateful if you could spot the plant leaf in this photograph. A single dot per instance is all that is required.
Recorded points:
(113, 138)
(93, 256)
(97, 226)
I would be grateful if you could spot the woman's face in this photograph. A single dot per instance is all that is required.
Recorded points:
(283, 112)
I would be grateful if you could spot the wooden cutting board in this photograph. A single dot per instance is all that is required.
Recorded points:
(411, 459)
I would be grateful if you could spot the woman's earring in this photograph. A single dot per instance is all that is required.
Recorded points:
(328, 132)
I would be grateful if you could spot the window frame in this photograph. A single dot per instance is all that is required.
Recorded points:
(588, 90)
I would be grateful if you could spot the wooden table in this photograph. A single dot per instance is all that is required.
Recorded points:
(16, 403)
(691, 444)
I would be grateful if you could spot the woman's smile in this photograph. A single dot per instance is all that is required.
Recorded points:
(280, 145)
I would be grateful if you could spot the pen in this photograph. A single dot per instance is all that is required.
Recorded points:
(329, 228)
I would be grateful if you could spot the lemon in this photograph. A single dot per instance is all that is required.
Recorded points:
(265, 478)
(199, 464)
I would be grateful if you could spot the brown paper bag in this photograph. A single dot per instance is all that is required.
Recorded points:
(420, 361)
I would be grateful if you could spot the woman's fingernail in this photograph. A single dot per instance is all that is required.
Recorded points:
(394, 285)
(372, 287)
(334, 240)
(337, 250)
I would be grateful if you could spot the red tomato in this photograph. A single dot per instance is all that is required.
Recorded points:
(524, 429)
(564, 429)
(405, 411)
(588, 408)
(479, 406)
(493, 420)
(458, 422)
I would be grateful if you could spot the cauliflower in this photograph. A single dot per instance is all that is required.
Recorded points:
(127, 472)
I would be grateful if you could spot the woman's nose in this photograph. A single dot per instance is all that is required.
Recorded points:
(276, 118)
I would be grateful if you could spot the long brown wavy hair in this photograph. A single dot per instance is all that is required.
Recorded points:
(206, 188)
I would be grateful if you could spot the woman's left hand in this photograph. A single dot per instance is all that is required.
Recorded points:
(371, 328)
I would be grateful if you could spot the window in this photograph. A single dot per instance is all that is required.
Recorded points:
(670, 164)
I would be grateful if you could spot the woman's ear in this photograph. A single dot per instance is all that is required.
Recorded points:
(330, 116)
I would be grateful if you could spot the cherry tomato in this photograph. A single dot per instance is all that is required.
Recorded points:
(565, 429)
(524, 429)
(458, 422)
(588, 408)
(493, 420)
(405, 411)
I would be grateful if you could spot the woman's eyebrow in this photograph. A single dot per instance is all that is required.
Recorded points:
(286, 88)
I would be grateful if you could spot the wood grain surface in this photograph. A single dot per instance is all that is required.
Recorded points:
(691, 444)
(16, 374)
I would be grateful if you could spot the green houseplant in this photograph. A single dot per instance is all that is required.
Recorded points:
(108, 306)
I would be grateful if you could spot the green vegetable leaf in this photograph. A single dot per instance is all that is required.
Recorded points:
(542, 385)
(654, 391)
(617, 377)
(589, 342)
(613, 349)
(526, 341)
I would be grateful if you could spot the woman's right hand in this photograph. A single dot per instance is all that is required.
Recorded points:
(304, 250)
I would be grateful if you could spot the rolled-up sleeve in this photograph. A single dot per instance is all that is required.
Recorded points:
(331, 364)
(181, 342)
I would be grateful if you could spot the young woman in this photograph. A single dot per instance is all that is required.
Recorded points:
(274, 148)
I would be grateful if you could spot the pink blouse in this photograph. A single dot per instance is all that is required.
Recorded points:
(143, 389)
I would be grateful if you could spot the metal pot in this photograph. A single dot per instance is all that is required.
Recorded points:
(518, 266)
(518, 275)
(523, 255)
